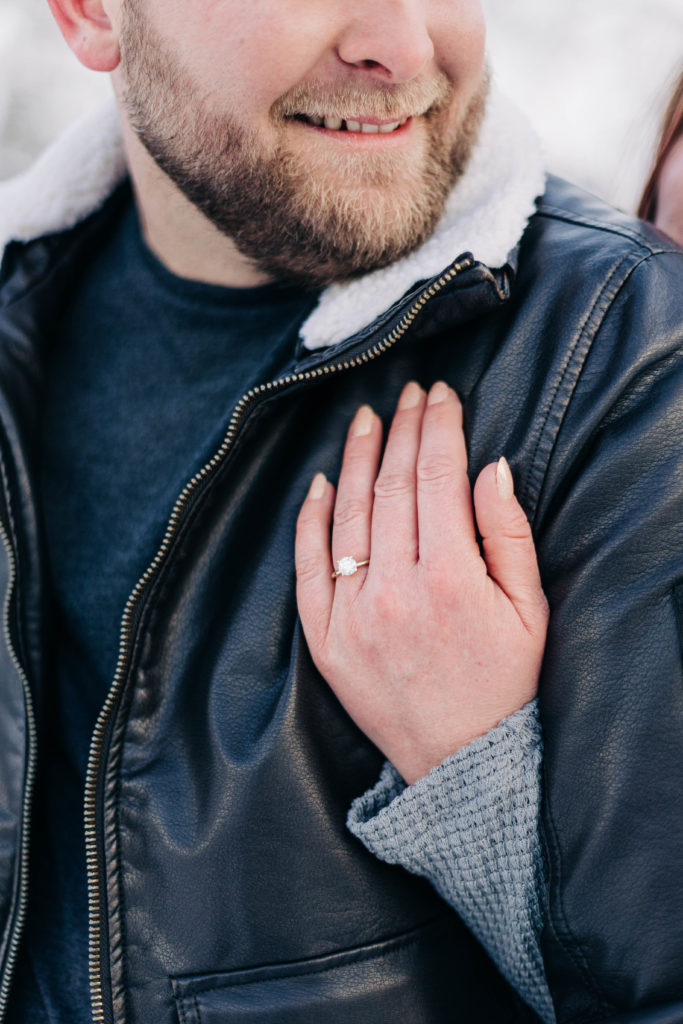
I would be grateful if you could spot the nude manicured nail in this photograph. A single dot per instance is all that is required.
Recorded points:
(363, 421)
(410, 396)
(318, 487)
(504, 481)
(439, 393)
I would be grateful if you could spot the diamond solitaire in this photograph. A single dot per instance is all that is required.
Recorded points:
(347, 566)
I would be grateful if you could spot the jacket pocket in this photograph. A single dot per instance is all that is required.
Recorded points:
(414, 978)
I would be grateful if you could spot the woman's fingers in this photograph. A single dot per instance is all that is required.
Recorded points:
(314, 583)
(444, 497)
(508, 545)
(353, 505)
(418, 506)
(394, 515)
(350, 510)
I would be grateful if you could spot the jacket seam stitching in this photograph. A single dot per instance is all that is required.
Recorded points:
(557, 920)
(646, 243)
(181, 1010)
(360, 957)
(565, 939)
(116, 918)
(569, 374)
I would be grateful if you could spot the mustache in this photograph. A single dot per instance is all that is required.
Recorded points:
(390, 102)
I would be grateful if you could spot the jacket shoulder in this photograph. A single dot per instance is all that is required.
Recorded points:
(597, 310)
(589, 264)
(601, 224)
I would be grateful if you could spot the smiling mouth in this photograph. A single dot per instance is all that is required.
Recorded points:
(338, 124)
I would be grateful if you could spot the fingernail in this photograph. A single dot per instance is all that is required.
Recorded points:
(504, 481)
(439, 393)
(318, 487)
(363, 421)
(410, 396)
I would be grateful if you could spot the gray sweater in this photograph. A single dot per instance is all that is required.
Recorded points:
(471, 827)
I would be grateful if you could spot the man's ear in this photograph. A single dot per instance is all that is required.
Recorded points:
(88, 29)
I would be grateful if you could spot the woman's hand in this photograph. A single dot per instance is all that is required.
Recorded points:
(431, 644)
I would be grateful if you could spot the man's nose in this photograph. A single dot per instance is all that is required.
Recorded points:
(389, 37)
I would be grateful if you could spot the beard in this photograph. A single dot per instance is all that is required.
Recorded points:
(298, 217)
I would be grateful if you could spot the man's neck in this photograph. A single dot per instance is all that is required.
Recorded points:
(185, 241)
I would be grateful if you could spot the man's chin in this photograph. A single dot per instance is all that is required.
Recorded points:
(359, 245)
(333, 223)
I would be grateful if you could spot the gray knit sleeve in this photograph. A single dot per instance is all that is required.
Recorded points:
(471, 828)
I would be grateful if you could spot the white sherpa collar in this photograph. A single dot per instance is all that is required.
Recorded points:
(486, 213)
(69, 181)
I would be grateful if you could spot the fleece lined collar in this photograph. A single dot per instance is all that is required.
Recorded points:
(486, 213)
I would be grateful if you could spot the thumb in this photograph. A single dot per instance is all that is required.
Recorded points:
(508, 545)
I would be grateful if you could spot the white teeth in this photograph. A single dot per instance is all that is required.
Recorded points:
(336, 124)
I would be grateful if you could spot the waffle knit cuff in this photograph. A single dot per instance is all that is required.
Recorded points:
(471, 827)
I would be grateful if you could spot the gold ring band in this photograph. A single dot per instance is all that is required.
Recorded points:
(347, 566)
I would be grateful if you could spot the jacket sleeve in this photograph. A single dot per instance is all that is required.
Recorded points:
(609, 532)
(470, 827)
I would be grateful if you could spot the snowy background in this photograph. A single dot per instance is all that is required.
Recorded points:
(593, 75)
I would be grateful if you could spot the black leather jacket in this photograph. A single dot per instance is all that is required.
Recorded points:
(224, 886)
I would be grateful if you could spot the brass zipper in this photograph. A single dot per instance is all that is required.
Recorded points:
(20, 914)
(95, 895)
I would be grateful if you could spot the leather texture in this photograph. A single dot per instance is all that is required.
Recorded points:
(233, 890)
(405, 978)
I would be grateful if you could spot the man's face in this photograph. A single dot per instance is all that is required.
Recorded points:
(322, 136)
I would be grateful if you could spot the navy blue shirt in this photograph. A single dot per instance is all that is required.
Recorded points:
(144, 372)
